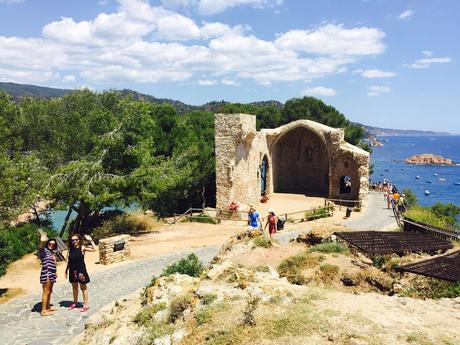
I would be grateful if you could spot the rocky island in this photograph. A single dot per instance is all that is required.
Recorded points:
(429, 159)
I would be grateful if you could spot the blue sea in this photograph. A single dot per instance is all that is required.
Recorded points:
(389, 163)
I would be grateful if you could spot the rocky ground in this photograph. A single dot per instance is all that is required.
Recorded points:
(271, 293)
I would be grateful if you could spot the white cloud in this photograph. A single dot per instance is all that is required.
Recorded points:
(425, 63)
(378, 90)
(375, 73)
(406, 15)
(427, 53)
(68, 78)
(334, 39)
(319, 91)
(9, 2)
(210, 7)
(207, 82)
(140, 43)
(229, 82)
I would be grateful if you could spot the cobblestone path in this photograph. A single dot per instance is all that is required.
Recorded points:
(376, 215)
(21, 322)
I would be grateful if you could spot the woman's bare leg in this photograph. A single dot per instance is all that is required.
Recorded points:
(45, 298)
(75, 292)
(84, 290)
(50, 290)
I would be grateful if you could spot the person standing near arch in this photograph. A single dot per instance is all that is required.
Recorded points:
(272, 221)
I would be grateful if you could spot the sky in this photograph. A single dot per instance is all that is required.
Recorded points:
(385, 63)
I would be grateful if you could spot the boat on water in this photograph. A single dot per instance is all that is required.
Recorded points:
(435, 174)
(417, 177)
(457, 183)
(428, 181)
(441, 179)
(427, 192)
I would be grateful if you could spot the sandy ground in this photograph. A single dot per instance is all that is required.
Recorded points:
(24, 273)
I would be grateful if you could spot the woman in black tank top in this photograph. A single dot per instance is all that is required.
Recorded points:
(76, 269)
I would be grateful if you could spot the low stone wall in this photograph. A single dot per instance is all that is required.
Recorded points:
(107, 253)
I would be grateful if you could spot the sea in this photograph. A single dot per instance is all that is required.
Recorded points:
(440, 181)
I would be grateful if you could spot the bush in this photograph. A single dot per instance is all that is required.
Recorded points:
(317, 213)
(209, 298)
(330, 247)
(424, 287)
(146, 315)
(410, 197)
(128, 223)
(202, 218)
(179, 305)
(261, 241)
(15, 242)
(328, 272)
(426, 216)
(202, 316)
(190, 265)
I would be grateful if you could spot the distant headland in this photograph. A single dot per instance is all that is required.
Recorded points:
(429, 159)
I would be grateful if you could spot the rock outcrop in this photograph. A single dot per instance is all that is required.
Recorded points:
(429, 159)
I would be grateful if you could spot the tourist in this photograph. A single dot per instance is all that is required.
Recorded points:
(402, 203)
(76, 269)
(254, 221)
(271, 223)
(48, 273)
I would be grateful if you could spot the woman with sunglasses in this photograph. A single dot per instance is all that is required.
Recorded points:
(48, 274)
(76, 269)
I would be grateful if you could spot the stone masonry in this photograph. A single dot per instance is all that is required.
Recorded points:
(107, 255)
(303, 157)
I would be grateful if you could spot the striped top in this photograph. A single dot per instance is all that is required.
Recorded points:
(48, 271)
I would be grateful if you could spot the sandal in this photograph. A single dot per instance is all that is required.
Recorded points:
(46, 313)
(52, 309)
(84, 308)
(72, 306)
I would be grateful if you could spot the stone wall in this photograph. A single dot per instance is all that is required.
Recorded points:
(303, 157)
(107, 255)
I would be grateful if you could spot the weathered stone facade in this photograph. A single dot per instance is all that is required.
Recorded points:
(107, 253)
(300, 157)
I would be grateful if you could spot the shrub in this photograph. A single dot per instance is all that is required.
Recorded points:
(317, 213)
(330, 247)
(202, 218)
(146, 315)
(426, 216)
(190, 265)
(144, 298)
(128, 223)
(249, 318)
(327, 272)
(424, 287)
(15, 242)
(261, 241)
(209, 298)
(410, 197)
(202, 316)
(179, 305)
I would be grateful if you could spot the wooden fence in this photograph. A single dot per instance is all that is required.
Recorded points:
(435, 232)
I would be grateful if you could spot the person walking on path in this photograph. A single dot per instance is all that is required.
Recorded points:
(48, 275)
(254, 221)
(76, 269)
(271, 223)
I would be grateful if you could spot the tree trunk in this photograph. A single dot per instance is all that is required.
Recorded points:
(37, 216)
(64, 226)
(203, 191)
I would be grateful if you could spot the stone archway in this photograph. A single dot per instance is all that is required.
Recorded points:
(301, 163)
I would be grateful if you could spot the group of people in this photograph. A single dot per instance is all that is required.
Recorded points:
(75, 270)
(393, 198)
(255, 222)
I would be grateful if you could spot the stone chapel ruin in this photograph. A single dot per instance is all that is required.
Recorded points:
(302, 157)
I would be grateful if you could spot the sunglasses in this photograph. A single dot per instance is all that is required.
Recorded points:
(51, 244)
(75, 240)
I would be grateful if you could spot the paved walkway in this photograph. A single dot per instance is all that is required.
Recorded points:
(376, 215)
(21, 322)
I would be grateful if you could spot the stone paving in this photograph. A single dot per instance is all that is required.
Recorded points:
(376, 215)
(21, 321)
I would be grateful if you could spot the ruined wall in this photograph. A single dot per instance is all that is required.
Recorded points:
(303, 157)
(237, 159)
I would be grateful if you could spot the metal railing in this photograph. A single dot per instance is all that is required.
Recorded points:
(345, 203)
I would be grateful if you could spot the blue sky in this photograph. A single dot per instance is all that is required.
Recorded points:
(388, 63)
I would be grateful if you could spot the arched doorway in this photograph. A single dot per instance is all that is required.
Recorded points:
(301, 163)
(263, 176)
